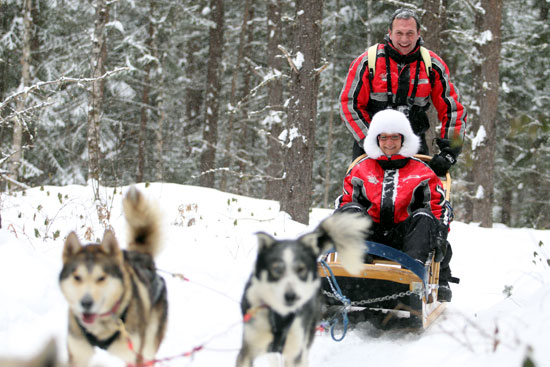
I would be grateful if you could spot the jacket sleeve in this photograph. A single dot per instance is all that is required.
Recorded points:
(438, 204)
(354, 188)
(347, 193)
(355, 97)
(446, 100)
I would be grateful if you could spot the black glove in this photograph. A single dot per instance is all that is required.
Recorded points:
(439, 242)
(351, 207)
(442, 161)
(440, 250)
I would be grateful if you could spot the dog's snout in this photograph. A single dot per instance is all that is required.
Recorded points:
(290, 297)
(87, 302)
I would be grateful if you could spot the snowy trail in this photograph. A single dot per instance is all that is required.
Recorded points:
(209, 238)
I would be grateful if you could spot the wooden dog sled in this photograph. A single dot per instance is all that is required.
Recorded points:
(391, 291)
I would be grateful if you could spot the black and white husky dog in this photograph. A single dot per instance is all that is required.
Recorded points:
(282, 299)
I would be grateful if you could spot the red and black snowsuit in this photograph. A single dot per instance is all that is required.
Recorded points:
(411, 92)
(405, 200)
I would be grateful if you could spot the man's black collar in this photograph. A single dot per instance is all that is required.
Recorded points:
(393, 163)
(392, 52)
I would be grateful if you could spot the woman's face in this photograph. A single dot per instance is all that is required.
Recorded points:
(390, 143)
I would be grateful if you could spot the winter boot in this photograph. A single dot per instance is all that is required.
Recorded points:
(444, 293)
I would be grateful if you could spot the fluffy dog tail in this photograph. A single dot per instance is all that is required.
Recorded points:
(144, 225)
(347, 234)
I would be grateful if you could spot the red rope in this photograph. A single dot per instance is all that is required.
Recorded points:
(246, 318)
(167, 359)
(251, 312)
(181, 276)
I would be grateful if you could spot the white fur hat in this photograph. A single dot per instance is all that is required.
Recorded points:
(390, 121)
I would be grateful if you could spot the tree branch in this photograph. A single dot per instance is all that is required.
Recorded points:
(15, 182)
(287, 55)
(61, 80)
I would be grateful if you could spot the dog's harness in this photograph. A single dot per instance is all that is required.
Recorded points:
(105, 343)
(280, 325)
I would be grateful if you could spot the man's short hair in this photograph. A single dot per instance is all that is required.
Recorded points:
(403, 13)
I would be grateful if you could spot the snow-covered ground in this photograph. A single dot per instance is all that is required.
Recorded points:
(500, 312)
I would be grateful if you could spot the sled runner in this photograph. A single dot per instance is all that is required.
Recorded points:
(392, 290)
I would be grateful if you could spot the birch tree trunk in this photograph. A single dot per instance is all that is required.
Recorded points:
(98, 58)
(211, 105)
(194, 90)
(433, 20)
(159, 142)
(18, 120)
(145, 103)
(228, 152)
(160, 105)
(334, 100)
(298, 160)
(274, 170)
(246, 158)
(508, 189)
(484, 154)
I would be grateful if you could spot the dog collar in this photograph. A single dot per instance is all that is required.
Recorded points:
(252, 311)
(113, 310)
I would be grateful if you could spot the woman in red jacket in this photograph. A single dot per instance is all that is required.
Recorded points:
(401, 194)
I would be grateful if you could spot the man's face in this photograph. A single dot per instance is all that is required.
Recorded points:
(404, 35)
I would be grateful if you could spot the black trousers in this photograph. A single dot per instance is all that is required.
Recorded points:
(416, 236)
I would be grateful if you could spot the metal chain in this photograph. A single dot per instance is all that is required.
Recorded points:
(379, 299)
(335, 294)
(348, 303)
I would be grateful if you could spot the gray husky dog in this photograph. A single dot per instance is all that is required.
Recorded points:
(116, 299)
(282, 299)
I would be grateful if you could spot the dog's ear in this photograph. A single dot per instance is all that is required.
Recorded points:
(110, 245)
(264, 240)
(72, 246)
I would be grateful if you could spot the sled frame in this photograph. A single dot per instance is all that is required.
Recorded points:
(422, 305)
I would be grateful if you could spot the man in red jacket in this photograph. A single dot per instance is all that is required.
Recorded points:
(401, 194)
(401, 82)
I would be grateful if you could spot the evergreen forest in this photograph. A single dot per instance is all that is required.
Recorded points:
(243, 96)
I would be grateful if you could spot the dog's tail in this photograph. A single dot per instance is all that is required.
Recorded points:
(144, 225)
(347, 234)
